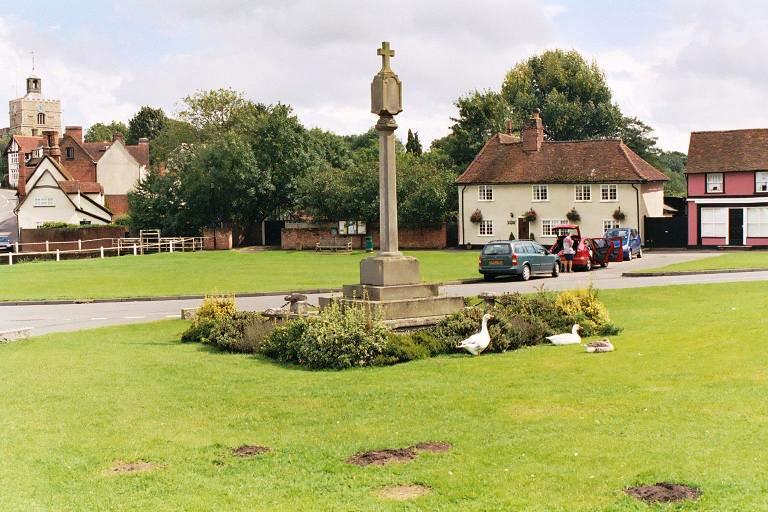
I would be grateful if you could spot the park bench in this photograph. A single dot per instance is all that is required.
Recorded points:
(334, 244)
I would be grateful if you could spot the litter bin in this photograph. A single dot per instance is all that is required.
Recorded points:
(369, 244)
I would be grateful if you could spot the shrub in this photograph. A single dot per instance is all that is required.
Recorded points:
(53, 224)
(244, 332)
(401, 348)
(585, 307)
(573, 215)
(283, 344)
(198, 332)
(216, 308)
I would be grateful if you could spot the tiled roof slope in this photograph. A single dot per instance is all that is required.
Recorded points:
(502, 160)
(728, 151)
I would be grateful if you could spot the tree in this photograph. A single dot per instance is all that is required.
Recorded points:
(413, 145)
(673, 165)
(102, 132)
(214, 110)
(574, 99)
(481, 116)
(147, 123)
(156, 203)
(174, 134)
(425, 192)
(637, 135)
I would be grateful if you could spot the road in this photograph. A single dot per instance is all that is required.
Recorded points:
(7, 217)
(69, 317)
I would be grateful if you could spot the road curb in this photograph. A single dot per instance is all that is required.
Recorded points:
(57, 302)
(693, 272)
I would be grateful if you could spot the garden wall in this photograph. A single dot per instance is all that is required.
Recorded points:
(217, 239)
(305, 238)
(66, 239)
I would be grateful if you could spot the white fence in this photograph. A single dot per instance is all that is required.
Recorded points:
(100, 248)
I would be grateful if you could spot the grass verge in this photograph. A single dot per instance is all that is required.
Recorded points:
(546, 428)
(730, 261)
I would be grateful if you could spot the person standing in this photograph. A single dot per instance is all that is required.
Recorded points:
(568, 252)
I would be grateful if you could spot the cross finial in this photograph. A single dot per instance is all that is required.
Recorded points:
(386, 54)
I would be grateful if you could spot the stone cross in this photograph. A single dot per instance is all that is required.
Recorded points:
(386, 54)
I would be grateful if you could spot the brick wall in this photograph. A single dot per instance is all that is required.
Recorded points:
(409, 238)
(81, 167)
(117, 204)
(33, 240)
(217, 239)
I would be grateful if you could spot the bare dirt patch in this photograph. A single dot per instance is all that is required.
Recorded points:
(664, 492)
(432, 446)
(250, 450)
(403, 492)
(123, 468)
(381, 457)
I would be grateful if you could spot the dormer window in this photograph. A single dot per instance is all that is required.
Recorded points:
(40, 118)
(715, 183)
(70, 153)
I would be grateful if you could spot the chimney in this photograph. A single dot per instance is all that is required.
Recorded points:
(118, 136)
(143, 141)
(533, 132)
(509, 127)
(52, 145)
(76, 132)
(21, 187)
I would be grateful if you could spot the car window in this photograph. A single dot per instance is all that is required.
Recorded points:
(496, 249)
(537, 248)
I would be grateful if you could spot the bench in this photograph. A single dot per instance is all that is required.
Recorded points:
(334, 244)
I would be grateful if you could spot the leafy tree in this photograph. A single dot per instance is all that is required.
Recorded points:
(637, 135)
(574, 99)
(425, 192)
(156, 203)
(102, 132)
(174, 134)
(214, 110)
(413, 145)
(481, 116)
(148, 122)
(333, 149)
(673, 165)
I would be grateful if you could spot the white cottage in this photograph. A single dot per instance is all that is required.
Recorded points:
(522, 188)
(54, 196)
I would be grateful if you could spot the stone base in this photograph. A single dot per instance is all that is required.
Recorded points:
(404, 308)
(389, 271)
(406, 291)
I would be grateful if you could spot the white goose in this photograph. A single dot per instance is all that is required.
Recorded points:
(478, 342)
(571, 338)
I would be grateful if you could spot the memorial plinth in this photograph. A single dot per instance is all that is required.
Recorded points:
(390, 283)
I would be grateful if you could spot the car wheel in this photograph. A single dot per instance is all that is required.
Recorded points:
(640, 252)
(605, 263)
(556, 270)
(588, 265)
(526, 275)
(487, 277)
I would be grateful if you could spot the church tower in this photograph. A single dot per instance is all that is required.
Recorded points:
(32, 114)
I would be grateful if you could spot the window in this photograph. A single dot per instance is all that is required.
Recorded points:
(715, 183)
(583, 193)
(757, 222)
(761, 182)
(486, 227)
(496, 249)
(70, 153)
(43, 202)
(485, 193)
(714, 222)
(609, 192)
(541, 192)
(610, 224)
(40, 118)
(548, 224)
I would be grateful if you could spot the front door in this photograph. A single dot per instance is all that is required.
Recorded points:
(735, 226)
(522, 229)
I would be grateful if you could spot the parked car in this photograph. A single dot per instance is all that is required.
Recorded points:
(520, 258)
(5, 244)
(589, 251)
(630, 242)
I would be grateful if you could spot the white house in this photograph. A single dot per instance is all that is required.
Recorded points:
(513, 180)
(52, 195)
(119, 168)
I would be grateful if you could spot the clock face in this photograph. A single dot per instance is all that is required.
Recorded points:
(40, 108)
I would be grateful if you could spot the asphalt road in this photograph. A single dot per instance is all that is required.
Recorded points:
(68, 317)
(7, 217)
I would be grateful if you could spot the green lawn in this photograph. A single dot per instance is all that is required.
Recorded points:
(734, 260)
(207, 272)
(548, 428)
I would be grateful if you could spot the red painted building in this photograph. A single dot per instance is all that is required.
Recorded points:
(727, 175)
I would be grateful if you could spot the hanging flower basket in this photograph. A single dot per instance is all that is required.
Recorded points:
(618, 214)
(476, 216)
(573, 215)
(530, 215)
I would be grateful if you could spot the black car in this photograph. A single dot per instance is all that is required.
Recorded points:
(5, 244)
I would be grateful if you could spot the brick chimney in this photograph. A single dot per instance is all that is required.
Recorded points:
(143, 141)
(509, 126)
(21, 187)
(76, 132)
(52, 145)
(533, 132)
(118, 136)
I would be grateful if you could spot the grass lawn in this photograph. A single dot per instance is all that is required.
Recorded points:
(207, 272)
(734, 260)
(541, 429)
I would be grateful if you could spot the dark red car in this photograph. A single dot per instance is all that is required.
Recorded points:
(590, 252)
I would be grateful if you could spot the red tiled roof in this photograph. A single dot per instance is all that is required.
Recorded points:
(140, 152)
(502, 160)
(96, 149)
(28, 143)
(728, 151)
(84, 187)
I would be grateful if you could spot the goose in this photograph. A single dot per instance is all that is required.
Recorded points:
(478, 342)
(603, 345)
(571, 338)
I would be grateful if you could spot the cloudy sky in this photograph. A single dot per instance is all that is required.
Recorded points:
(679, 65)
